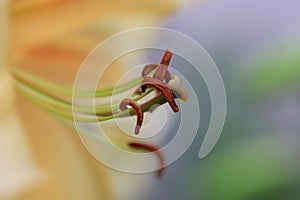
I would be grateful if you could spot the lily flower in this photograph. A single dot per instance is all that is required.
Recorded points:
(43, 94)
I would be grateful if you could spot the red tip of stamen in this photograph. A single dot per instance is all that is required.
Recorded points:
(165, 60)
(139, 113)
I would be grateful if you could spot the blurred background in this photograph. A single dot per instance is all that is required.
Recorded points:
(256, 46)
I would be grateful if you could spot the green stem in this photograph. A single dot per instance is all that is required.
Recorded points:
(145, 107)
(105, 109)
(42, 96)
(20, 74)
(64, 109)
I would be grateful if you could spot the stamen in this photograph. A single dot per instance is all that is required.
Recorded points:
(165, 60)
(154, 149)
(160, 72)
(163, 88)
(139, 113)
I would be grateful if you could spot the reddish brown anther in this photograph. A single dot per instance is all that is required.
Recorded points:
(160, 71)
(161, 80)
(149, 82)
(139, 113)
(151, 148)
(166, 58)
(159, 75)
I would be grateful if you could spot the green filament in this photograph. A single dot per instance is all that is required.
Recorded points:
(64, 109)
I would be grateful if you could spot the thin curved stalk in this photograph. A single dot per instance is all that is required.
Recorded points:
(56, 111)
(20, 74)
(42, 96)
(104, 109)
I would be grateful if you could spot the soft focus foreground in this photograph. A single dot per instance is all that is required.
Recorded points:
(256, 46)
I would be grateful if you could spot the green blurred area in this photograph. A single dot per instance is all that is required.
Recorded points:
(253, 164)
(275, 69)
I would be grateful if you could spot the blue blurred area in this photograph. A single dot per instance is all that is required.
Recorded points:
(256, 46)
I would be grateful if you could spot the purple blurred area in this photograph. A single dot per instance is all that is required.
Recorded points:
(235, 28)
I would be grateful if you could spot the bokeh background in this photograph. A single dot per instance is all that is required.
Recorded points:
(256, 46)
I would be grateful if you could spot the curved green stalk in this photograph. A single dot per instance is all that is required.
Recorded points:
(20, 74)
(101, 109)
(105, 109)
(54, 110)
(64, 109)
